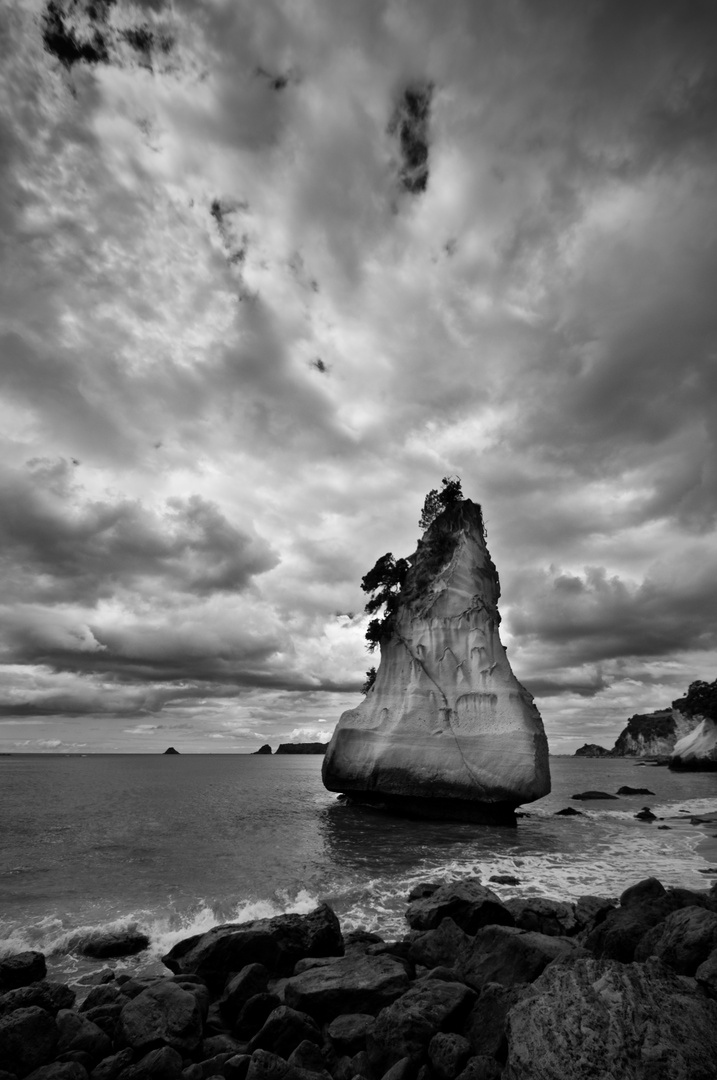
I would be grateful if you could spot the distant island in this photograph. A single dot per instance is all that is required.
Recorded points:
(302, 748)
(294, 748)
(171, 750)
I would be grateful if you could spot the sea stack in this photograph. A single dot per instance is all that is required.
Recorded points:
(446, 730)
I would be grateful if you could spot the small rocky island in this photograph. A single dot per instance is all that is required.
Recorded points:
(171, 750)
(302, 748)
(446, 730)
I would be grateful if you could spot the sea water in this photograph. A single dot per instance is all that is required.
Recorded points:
(176, 844)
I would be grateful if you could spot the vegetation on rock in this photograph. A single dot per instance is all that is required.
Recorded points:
(700, 700)
(438, 501)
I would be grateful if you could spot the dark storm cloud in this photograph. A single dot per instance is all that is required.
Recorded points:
(59, 545)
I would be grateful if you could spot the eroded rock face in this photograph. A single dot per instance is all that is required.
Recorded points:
(698, 749)
(446, 730)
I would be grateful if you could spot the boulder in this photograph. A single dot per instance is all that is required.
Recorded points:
(448, 1054)
(619, 933)
(603, 1019)
(47, 995)
(446, 730)
(507, 955)
(21, 969)
(101, 944)
(348, 1033)
(443, 946)
(252, 979)
(254, 1013)
(481, 1068)
(264, 1065)
(406, 1026)
(163, 1014)
(553, 917)
(588, 795)
(277, 943)
(706, 974)
(591, 910)
(309, 1057)
(283, 1030)
(111, 1067)
(683, 940)
(488, 1019)
(164, 1063)
(76, 1032)
(28, 1039)
(470, 905)
(236, 1068)
(569, 811)
(60, 1070)
(625, 790)
(646, 889)
(104, 994)
(352, 984)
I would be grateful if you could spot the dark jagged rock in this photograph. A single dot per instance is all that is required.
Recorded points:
(470, 905)
(21, 969)
(587, 795)
(47, 995)
(507, 955)
(353, 984)
(406, 1026)
(569, 811)
(552, 917)
(265, 749)
(634, 791)
(102, 944)
(446, 730)
(28, 1039)
(163, 1014)
(277, 943)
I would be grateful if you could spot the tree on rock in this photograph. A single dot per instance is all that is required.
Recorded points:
(438, 501)
(384, 581)
(700, 700)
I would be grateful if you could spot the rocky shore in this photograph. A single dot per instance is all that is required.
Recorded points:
(477, 989)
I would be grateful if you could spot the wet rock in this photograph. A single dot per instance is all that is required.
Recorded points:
(348, 1033)
(59, 1070)
(646, 814)
(443, 946)
(569, 811)
(104, 994)
(254, 1012)
(423, 889)
(361, 938)
(481, 1068)
(683, 940)
(470, 905)
(164, 1063)
(405, 1028)
(448, 1054)
(591, 910)
(620, 932)
(600, 1018)
(553, 917)
(162, 1014)
(104, 943)
(46, 995)
(588, 795)
(278, 943)
(263, 1065)
(283, 1030)
(634, 791)
(76, 1032)
(110, 1067)
(353, 984)
(28, 1039)
(507, 955)
(252, 979)
(488, 1019)
(706, 974)
(647, 889)
(504, 879)
(21, 969)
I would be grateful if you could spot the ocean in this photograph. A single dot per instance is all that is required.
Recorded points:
(177, 844)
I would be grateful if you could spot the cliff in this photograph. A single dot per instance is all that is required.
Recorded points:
(697, 750)
(302, 748)
(592, 750)
(446, 729)
(653, 734)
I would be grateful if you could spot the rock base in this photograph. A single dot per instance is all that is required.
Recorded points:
(415, 806)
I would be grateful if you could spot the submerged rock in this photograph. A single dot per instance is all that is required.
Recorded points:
(446, 730)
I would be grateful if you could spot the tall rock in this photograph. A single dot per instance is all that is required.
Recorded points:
(446, 730)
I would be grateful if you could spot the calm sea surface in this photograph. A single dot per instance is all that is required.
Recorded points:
(178, 844)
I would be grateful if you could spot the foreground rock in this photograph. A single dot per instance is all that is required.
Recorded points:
(601, 1019)
(277, 943)
(575, 990)
(446, 730)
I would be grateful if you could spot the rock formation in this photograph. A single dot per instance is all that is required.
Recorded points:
(698, 749)
(171, 750)
(446, 730)
(265, 749)
(592, 750)
(652, 734)
(302, 748)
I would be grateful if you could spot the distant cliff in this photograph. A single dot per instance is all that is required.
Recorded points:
(302, 748)
(646, 735)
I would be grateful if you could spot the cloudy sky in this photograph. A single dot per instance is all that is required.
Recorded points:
(269, 272)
